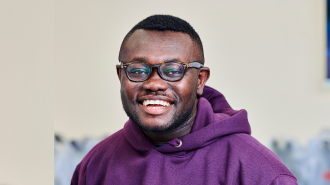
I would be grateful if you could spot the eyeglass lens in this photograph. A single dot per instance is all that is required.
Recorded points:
(168, 71)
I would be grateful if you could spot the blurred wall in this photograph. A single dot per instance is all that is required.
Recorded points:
(265, 57)
(57, 66)
(26, 92)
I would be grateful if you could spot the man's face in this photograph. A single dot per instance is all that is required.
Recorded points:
(172, 103)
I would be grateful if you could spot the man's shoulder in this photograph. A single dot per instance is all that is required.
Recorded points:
(106, 145)
(249, 144)
(251, 152)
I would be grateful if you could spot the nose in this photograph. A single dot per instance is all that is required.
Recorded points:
(155, 82)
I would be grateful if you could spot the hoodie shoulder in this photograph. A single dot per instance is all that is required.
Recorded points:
(106, 145)
(95, 157)
(253, 153)
(104, 148)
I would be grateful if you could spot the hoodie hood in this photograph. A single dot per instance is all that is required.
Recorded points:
(214, 120)
(219, 150)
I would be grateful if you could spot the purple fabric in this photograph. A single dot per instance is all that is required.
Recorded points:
(219, 150)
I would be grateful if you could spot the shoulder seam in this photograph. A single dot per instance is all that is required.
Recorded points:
(278, 176)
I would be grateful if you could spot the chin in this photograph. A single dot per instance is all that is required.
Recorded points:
(165, 127)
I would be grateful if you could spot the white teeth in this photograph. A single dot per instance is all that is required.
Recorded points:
(164, 103)
(155, 102)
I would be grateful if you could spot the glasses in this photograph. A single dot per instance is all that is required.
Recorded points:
(169, 71)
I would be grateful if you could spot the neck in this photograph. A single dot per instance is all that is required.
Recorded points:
(165, 137)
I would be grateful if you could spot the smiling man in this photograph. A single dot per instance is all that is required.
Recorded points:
(180, 131)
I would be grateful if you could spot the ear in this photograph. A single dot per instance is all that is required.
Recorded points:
(118, 71)
(203, 76)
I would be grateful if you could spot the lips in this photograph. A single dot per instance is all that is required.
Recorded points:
(155, 105)
(156, 102)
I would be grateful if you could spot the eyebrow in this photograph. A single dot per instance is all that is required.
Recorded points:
(139, 59)
(144, 59)
(172, 60)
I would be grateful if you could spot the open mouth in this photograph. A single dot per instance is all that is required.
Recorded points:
(156, 103)
(155, 106)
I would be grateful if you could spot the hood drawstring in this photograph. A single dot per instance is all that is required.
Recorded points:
(177, 143)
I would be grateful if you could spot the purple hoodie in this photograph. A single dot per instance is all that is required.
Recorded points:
(219, 150)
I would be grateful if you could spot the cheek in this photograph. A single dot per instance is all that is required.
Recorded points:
(192, 82)
(129, 89)
(187, 88)
(125, 88)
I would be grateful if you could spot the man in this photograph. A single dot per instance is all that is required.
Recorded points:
(180, 131)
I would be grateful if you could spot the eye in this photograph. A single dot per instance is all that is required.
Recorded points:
(170, 70)
(173, 72)
(139, 71)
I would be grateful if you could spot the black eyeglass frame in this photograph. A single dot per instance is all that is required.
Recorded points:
(196, 65)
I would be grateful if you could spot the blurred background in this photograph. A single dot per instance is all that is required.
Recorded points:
(57, 75)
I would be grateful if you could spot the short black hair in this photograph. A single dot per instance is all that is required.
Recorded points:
(167, 23)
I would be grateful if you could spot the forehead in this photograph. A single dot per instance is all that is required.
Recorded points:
(159, 46)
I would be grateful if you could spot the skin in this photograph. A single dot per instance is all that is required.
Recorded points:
(162, 124)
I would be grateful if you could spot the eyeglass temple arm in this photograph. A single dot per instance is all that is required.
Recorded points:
(121, 65)
(195, 65)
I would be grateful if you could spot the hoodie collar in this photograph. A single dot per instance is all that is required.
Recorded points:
(214, 119)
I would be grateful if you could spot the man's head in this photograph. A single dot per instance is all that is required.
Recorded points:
(155, 104)
(166, 23)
